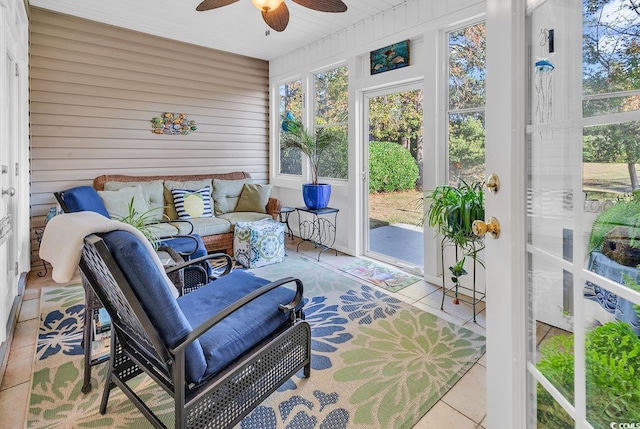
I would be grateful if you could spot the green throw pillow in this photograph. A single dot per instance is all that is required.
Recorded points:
(117, 202)
(254, 198)
(226, 194)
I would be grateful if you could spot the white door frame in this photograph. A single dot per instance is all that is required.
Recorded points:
(505, 274)
(366, 94)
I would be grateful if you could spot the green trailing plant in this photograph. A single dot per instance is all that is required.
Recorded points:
(142, 222)
(313, 145)
(391, 168)
(612, 354)
(625, 212)
(452, 210)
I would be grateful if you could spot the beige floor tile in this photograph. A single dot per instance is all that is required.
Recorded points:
(483, 360)
(419, 290)
(25, 333)
(442, 416)
(482, 424)
(30, 310)
(541, 331)
(462, 310)
(13, 406)
(31, 293)
(468, 396)
(19, 366)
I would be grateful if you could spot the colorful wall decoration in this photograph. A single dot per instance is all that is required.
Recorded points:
(173, 124)
(390, 57)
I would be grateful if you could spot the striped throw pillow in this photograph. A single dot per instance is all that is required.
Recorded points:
(192, 204)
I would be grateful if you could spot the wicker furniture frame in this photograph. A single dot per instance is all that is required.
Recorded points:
(225, 398)
(215, 242)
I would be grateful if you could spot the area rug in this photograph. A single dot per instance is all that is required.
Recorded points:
(376, 362)
(384, 277)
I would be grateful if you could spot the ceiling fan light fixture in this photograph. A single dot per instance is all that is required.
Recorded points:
(267, 5)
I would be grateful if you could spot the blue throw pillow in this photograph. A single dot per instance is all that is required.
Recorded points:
(192, 204)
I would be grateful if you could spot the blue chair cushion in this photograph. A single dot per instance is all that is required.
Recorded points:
(244, 328)
(84, 199)
(153, 292)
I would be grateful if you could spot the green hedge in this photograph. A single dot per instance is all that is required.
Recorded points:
(391, 168)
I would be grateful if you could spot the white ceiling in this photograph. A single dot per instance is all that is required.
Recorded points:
(237, 28)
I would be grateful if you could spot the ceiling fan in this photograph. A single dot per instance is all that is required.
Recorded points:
(275, 12)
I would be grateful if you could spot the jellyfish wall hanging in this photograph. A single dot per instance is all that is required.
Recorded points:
(544, 81)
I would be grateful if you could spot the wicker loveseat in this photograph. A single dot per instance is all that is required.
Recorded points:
(216, 231)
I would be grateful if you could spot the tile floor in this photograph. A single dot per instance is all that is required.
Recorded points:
(463, 407)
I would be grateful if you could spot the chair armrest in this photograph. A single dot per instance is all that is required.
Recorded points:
(227, 270)
(218, 317)
(195, 242)
(273, 207)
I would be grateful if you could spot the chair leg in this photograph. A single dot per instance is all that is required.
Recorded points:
(107, 381)
(86, 344)
(307, 370)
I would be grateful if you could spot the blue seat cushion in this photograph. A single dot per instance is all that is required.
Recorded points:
(186, 245)
(84, 199)
(152, 290)
(244, 328)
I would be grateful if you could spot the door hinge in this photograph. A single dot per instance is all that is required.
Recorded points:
(17, 169)
(16, 269)
(17, 70)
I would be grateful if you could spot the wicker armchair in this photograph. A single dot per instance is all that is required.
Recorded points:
(178, 342)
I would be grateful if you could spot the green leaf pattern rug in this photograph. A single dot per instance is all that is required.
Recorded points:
(376, 362)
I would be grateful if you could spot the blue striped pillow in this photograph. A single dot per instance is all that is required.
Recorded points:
(192, 204)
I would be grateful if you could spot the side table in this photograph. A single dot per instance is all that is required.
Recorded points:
(320, 230)
(283, 217)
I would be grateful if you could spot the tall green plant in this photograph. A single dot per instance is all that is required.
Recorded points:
(311, 144)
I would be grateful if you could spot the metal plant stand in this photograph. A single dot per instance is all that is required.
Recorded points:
(454, 291)
(321, 231)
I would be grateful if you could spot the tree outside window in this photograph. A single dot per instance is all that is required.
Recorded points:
(331, 105)
(467, 48)
(290, 103)
(611, 86)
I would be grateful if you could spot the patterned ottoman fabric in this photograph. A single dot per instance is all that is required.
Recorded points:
(260, 243)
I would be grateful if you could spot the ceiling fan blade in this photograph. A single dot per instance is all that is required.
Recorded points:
(323, 5)
(213, 4)
(277, 19)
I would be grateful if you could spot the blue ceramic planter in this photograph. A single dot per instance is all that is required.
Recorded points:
(316, 196)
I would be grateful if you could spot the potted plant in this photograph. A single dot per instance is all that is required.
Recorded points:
(316, 195)
(451, 211)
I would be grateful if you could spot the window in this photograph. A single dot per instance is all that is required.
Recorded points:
(611, 87)
(331, 106)
(465, 112)
(290, 105)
